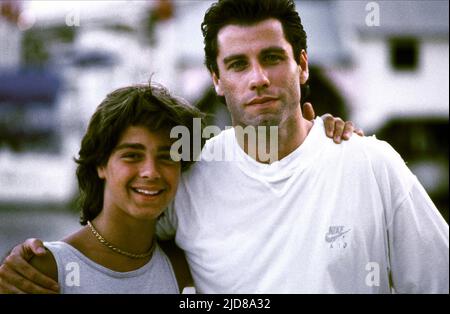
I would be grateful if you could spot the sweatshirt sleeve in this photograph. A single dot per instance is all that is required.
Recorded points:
(417, 234)
(419, 245)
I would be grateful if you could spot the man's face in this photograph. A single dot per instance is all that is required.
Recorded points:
(259, 76)
(140, 176)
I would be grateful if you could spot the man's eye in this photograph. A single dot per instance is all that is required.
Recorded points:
(272, 58)
(237, 65)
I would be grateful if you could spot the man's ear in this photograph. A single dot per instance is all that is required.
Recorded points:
(217, 85)
(304, 70)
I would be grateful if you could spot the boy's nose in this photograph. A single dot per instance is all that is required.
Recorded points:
(150, 170)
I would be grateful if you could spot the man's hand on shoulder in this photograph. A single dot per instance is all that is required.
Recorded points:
(17, 275)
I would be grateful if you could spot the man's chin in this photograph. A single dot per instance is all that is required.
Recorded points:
(266, 122)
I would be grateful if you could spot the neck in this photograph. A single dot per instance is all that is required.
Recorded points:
(126, 233)
(292, 135)
(275, 143)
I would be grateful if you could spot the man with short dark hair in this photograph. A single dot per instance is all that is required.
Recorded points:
(323, 218)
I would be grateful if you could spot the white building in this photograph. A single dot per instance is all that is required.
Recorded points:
(399, 60)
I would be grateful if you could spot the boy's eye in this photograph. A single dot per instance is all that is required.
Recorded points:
(166, 158)
(131, 156)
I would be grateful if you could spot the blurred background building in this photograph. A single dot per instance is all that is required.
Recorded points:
(382, 64)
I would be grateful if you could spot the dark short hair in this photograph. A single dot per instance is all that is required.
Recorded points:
(248, 12)
(149, 105)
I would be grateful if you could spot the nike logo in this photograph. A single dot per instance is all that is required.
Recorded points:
(332, 237)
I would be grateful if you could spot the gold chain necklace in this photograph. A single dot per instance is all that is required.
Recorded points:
(117, 250)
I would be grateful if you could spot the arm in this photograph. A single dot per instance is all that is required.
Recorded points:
(335, 128)
(419, 246)
(179, 263)
(165, 232)
(18, 276)
(416, 234)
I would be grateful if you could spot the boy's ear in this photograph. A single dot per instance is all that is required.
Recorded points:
(217, 85)
(304, 70)
(101, 172)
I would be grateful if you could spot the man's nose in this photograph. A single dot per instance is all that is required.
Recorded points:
(259, 78)
(150, 169)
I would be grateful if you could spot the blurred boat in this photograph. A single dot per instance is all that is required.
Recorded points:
(35, 166)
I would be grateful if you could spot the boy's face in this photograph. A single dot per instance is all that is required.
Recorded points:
(259, 76)
(140, 177)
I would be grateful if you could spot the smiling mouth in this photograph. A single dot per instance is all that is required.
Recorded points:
(148, 192)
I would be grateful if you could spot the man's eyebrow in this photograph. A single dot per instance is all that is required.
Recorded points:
(264, 51)
(274, 49)
(233, 57)
(130, 146)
